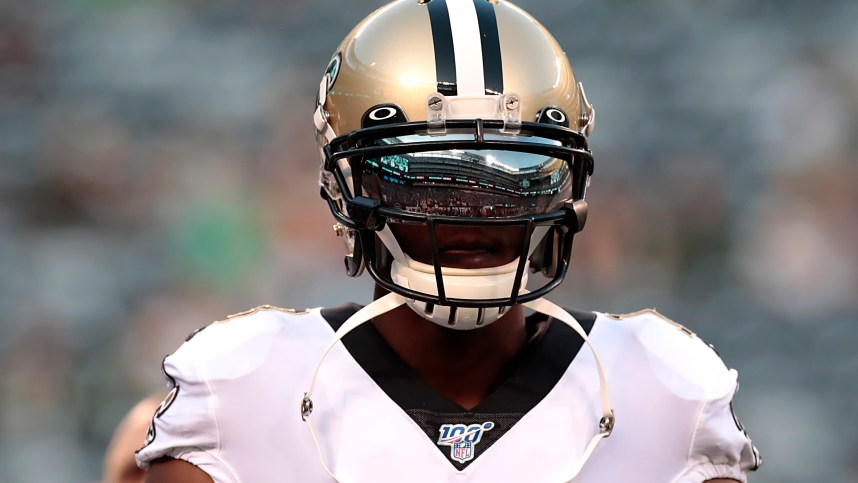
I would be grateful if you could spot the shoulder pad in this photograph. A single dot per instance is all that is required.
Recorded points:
(678, 358)
(655, 313)
(246, 313)
(229, 351)
(260, 308)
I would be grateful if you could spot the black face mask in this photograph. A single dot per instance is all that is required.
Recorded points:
(475, 176)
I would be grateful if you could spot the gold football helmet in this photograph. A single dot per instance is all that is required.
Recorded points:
(436, 118)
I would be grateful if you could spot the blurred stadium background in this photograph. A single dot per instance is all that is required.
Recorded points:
(158, 172)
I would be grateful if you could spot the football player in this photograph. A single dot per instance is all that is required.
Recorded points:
(454, 158)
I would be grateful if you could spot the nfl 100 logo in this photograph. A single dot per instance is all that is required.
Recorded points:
(461, 438)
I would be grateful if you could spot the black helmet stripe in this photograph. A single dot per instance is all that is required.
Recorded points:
(467, 47)
(445, 56)
(490, 41)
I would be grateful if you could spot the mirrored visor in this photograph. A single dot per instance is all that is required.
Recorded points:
(482, 183)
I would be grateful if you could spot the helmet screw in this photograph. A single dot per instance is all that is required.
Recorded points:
(512, 103)
(436, 103)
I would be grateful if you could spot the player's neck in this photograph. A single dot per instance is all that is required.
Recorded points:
(462, 365)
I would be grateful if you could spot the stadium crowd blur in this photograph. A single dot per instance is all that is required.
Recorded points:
(158, 173)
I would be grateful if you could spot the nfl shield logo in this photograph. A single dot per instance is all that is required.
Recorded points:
(462, 451)
(462, 438)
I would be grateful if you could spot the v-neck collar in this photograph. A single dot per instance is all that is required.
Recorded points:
(550, 349)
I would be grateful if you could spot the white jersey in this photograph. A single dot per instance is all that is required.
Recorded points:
(237, 386)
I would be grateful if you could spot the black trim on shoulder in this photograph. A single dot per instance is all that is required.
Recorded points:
(194, 333)
(442, 38)
(490, 43)
(337, 316)
(165, 404)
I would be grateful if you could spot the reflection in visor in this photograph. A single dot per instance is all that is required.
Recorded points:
(484, 183)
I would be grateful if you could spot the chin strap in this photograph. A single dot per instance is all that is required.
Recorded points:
(606, 423)
(376, 308)
(393, 300)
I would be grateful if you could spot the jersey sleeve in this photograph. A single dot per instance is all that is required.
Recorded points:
(720, 447)
(185, 425)
(716, 444)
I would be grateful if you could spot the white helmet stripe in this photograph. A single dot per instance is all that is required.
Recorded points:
(467, 46)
